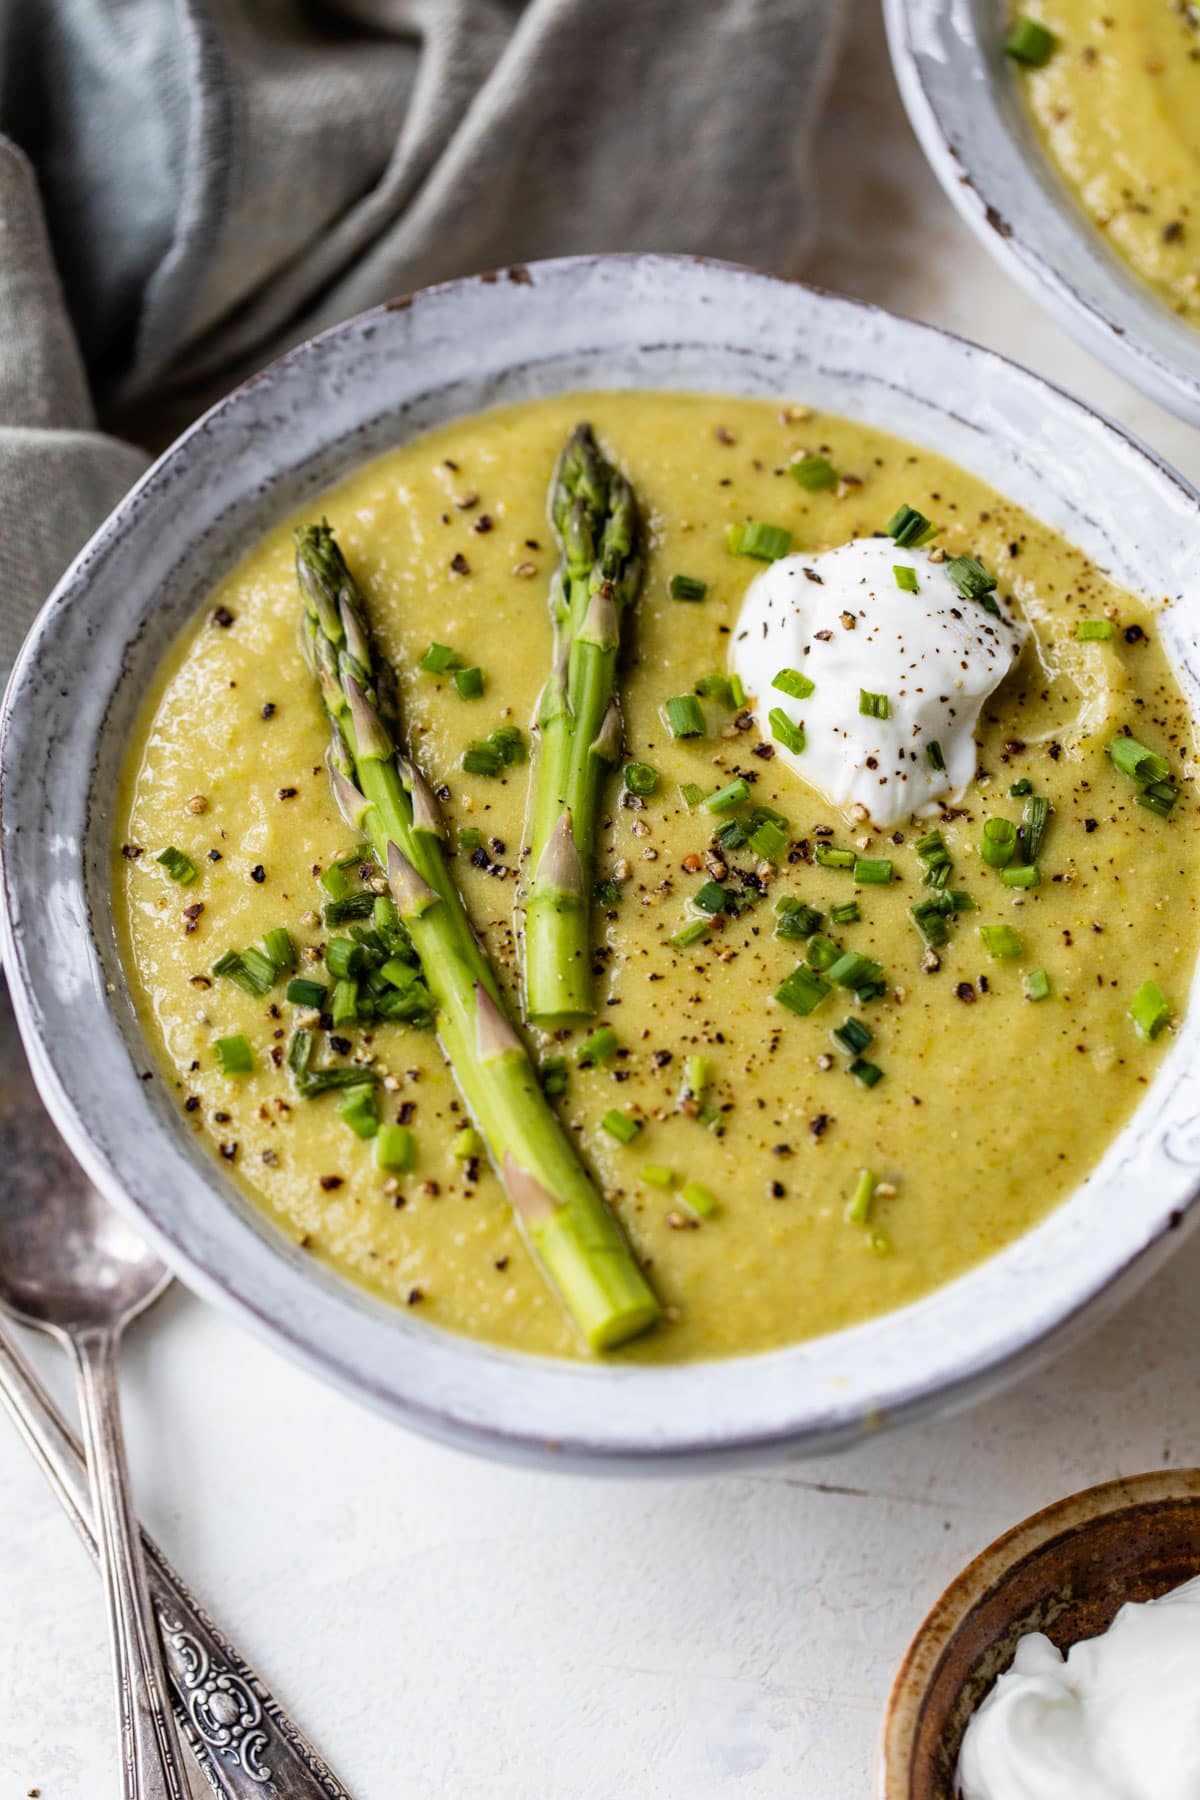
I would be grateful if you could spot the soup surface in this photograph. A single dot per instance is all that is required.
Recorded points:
(1117, 105)
(992, 1106)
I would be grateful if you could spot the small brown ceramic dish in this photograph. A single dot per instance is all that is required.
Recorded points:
(1066, 1571)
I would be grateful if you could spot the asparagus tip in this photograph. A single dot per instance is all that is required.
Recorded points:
(560, 868)
(352, 805)
(371, 741)
(427, 814)
(411, 892)
(608, 740)
(495, 1036)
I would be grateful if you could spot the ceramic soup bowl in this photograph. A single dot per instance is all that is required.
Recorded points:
(964, 100)
(643, 321)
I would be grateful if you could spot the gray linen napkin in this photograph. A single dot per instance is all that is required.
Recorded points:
(189, 186)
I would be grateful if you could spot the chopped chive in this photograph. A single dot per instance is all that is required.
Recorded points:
(333, 880)
(234, 1055)
(692, 795)
(1159, 797)
(730, 835)
(690, 934)
(1018, 788)
(344, 957)
(687, 587)
(734, 793)
(351, 906)
(1035, 816)
(343, 1002)
(930, 921)
(1037, 985)
(699, 1198)
(999, 842)
(302, 992)
(395, 1149)
(1030, 43)
(1027, 876)
(657, 1174)
(767, 542)
(1000, 941)
(872, 871)
(852, 970)
(608, 893)
(553, 1074)
(397, 973)
(230, 965)
(802, 991)
(872, 706)
(1150, 1009)
(469, 837)
(439, 659)
(906, 578)
(1135, 760)
(846, 912)
(933, 751)
(869, 1073)
(784, 732)
(853, 1035)
(299, 1052)
(619, 1125)
(469, 682)
(769, 840)
(360, 1111)
(908, 527)
(1094, 631)
(260, 968)
(279, 947)
(714, 687)
(598, 1047)
(697, 1077)
(329, 1081)
(684, 716)
(737, 692)
(179, 867)
(958, 901)
(711, 898)
(822, 952)
(796, 920)
(858, 1208)
(829, 858)
(936, 874)
(814, 473)
(970, 577)
(791, 681)
(479, 758)
(932, 848)
(640, 778)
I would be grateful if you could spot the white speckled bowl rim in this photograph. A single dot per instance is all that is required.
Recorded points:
(964, 100)
(643, 321)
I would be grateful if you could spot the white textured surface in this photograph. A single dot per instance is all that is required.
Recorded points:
(449, 1628)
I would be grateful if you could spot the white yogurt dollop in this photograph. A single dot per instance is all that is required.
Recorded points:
(841, 620)
(1117, 1719)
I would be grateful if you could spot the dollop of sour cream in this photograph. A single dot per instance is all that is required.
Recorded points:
(841, 620)
(1118, 1718)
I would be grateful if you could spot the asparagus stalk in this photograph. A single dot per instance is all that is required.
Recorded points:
(579, 721)
(381, 792)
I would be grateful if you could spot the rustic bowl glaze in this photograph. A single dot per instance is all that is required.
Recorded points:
(1066, 1571)
(642, 321)
(965, 104)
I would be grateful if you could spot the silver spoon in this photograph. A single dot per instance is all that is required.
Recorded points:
(71, 1266)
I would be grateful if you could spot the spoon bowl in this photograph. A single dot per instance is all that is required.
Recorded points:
(67, 1260)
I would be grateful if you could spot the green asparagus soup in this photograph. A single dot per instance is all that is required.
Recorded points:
(803, 1096)
(1115, 95)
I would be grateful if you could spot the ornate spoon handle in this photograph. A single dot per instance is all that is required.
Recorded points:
(244, 1744)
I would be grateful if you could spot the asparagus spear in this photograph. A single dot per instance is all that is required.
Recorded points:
(381, 792)
(579, 719)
